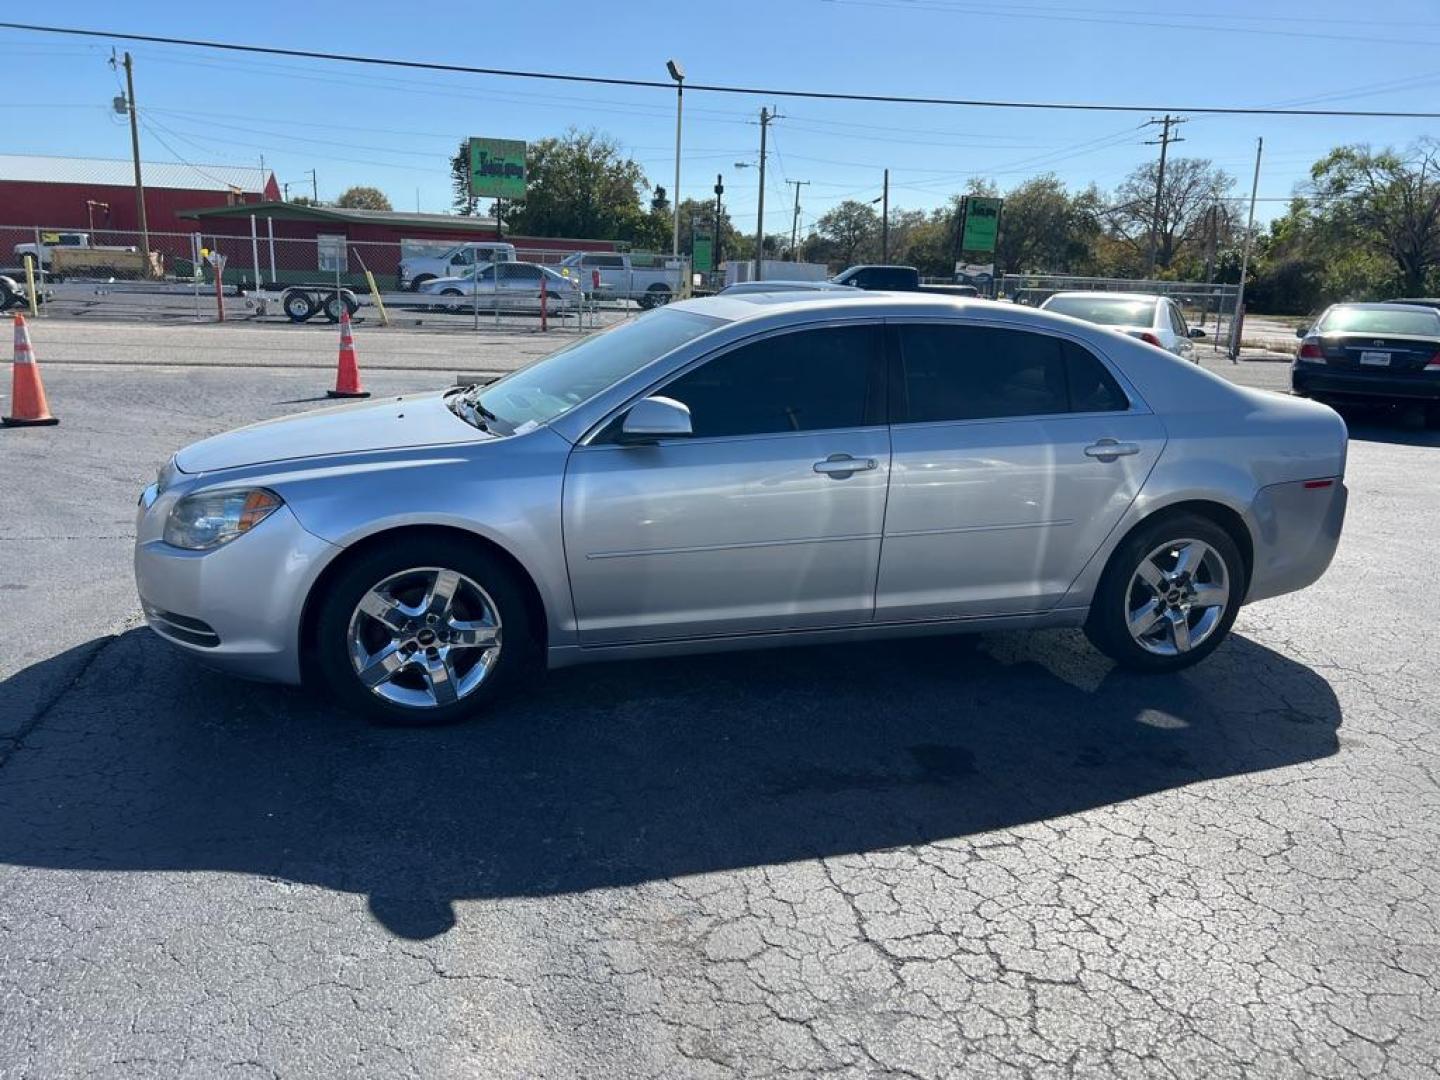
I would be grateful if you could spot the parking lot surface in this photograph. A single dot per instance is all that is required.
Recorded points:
(941, 858)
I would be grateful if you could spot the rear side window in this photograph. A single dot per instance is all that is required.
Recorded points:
(1092, 387)
(810, 380)
(1177, 321)
(979, 373)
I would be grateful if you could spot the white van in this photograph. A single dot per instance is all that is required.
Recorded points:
(415, 270)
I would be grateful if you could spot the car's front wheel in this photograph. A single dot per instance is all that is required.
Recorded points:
(1169, 595)
(422, 633)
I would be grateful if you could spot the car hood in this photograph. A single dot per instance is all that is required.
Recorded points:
(393, 423)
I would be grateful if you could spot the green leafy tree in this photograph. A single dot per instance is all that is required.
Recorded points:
(850, 232)
(461, 201)
(1388, 203)
(582, 185)
(1044, 228)
(363, 198)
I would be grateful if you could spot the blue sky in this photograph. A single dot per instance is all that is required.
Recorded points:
(395, 129)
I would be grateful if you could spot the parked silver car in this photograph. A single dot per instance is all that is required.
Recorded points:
(735, 472)
(1157, 320)
(509, 286)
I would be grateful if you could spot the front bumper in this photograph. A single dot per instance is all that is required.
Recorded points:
(248, 594)
(1318, 380)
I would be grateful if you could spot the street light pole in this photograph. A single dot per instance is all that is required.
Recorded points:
(678, 74)
(1236, 323)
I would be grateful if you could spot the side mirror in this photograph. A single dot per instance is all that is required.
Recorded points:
(655, 418)
(1196, 332)
(1301, 332)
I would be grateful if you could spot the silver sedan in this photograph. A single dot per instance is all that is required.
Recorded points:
(1157, 320)
(738, 472)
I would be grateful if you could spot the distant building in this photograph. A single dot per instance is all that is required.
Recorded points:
(98, 194)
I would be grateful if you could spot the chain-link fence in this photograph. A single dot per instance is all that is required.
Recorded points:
(435, 283)
(1207, 305)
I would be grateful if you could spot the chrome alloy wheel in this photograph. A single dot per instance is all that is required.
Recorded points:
(424, 638)
(1177, 597)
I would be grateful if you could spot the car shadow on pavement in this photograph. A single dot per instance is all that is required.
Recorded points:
(618, 774)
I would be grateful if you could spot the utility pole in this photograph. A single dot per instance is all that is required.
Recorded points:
(885, 220)
(765, 118)
(1237, 322)
(135, 150)
(795, 218)
(719, 190)
(314, 186)
(1166, 123)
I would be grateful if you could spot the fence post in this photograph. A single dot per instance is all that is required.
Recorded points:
(195, 272)
(255, 251)
(544, 293)
(30, 285)
(270, 231)
(38, 259)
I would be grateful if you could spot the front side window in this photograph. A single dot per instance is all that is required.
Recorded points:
(809, 380)
(954, 372)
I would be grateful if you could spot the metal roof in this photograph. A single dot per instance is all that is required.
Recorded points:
(300, 211)
(120, 172)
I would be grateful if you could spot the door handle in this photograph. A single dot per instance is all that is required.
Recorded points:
(843, 466)
(1110, 449)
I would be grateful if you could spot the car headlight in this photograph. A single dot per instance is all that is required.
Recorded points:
(209, 519)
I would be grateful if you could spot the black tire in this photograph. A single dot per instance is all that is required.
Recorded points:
(655, 296)
(1107, 626)
(420, 279)
(298, 306)
(518, 647)
(332, 312)
(8, 295)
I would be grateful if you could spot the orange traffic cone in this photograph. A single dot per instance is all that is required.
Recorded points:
(347, 376)
(27, 393)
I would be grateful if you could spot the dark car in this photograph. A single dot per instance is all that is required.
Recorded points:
(1386, 353)
(897, 279)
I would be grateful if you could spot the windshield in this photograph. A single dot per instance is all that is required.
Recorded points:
(1397, 320)
(544, 390)
(1104, 310)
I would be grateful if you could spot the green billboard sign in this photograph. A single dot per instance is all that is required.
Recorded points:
(497, 168)
(982, 224)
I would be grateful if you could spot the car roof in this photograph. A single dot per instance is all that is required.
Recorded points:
(1105, 294)
(1382, 305)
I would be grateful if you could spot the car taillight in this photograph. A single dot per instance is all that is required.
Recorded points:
(1150, 339)
(1433, 364)
(1310, 350)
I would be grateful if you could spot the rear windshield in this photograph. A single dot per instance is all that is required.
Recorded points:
(1356, 320)
(1106, 311)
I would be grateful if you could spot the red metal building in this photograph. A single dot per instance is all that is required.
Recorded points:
(98, 194)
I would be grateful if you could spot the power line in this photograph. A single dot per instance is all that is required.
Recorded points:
(654, 84)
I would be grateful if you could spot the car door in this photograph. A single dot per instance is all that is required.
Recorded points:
(1014, 453)
(768, 517)
(519, 285)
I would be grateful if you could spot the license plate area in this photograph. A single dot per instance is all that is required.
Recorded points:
(1375, 359)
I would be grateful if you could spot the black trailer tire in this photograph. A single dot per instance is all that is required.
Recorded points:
(298, 305)
(9, 292)
(332, 313)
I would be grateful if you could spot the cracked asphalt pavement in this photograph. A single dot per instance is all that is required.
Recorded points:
(986, 857)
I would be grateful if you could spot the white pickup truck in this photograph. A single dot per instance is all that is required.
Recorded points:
(650, 280)
(415, 270)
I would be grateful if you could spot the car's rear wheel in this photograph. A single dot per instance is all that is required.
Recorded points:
(655, 296)
(1169, 594)
(421, 634)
